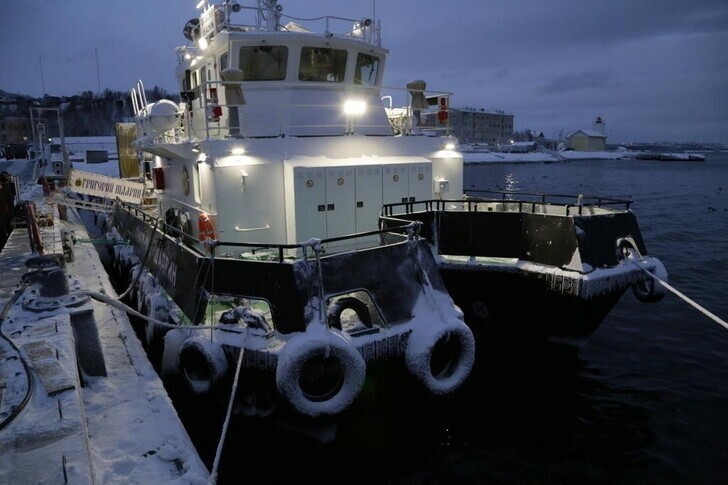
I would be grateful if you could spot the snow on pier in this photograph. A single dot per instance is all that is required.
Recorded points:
(98, 412)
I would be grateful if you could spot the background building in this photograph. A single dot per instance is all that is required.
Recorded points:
(14, 130)
(589, 140)
(472, 125)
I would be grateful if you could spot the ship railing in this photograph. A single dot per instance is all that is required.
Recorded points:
(572, 203)
(389, 235)
(222, 125)
(215, 18)
(532, 203)
(407, 120)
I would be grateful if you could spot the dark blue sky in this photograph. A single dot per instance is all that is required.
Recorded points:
(654, 69)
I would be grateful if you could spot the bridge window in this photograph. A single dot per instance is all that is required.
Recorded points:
(322, 64)
(366, 69)
(263, 63)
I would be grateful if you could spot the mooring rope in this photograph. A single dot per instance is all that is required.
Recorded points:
(218, 453)
(125, 308)
(28, 374)
(684, 297)
(143, 262)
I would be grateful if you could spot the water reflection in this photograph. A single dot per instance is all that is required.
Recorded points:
(512, 184)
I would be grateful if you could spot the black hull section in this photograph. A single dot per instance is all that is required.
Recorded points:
(517, 305)
(533, 268)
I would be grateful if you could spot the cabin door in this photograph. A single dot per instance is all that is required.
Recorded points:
(368, 197)
(340, 201)
(310, 202)
(420, 181)
(395, 183)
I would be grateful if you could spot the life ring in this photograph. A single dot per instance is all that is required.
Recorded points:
(202, 364)
(650, 290)
(205, 227)
(441, 356)
(319, 375)
(348, 303)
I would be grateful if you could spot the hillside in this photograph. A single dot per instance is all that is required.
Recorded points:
(84, 114)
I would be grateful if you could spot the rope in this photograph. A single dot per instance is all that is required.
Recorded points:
(28, 373)
(317, 251)
(144, 261)
(681, 295)
(107, 242)
(233, 392)
(125, 308)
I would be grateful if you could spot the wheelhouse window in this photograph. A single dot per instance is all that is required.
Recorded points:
(263, 63)
(366, 70)
(322, 64)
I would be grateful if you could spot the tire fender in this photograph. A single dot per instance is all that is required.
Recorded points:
(348, 303)
(650, 290)
(202, 364)
(441, 356)
(319, 375)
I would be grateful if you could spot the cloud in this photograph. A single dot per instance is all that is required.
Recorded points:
(578, 81)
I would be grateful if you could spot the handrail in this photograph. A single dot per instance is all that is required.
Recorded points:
(601, 200)
(412, 227)
(211, 129)
(471, 204)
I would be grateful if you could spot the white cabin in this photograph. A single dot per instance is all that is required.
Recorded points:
(282, 134)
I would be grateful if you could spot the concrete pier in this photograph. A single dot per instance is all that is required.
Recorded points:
(97, 412)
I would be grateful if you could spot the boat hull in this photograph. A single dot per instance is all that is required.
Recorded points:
(515, 304)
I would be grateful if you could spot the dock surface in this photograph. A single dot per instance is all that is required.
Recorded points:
(98, 412)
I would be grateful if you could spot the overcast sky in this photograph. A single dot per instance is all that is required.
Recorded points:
(654, 69)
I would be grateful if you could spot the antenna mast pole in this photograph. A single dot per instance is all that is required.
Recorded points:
(42, 79)
(98, 76)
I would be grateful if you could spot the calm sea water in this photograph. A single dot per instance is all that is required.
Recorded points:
(644, 401)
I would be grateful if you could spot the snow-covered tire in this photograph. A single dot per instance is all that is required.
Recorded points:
(441, 356)
(348, 303)
(172, 343)
(649, 290)
(321, 375)
(202, 364)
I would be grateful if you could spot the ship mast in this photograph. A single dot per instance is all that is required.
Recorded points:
(269, 13)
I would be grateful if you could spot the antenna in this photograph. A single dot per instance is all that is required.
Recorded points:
(98, 76)
(42, 79)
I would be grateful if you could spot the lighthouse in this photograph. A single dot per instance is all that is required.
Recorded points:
(600, 126)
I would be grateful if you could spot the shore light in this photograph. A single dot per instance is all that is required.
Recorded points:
(355, 107)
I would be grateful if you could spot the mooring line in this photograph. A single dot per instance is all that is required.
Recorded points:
(125, 308)
(220, 444)
(684, 297)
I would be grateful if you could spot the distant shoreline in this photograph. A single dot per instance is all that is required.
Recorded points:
(483, 158)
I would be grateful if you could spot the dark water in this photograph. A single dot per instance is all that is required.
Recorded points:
(645, 401)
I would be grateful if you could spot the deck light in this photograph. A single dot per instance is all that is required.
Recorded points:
(202, 43)
(355, 107)
(237, 151)
(449, 146)
(200, 3)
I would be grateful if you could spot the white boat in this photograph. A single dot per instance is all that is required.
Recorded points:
(272, 175)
